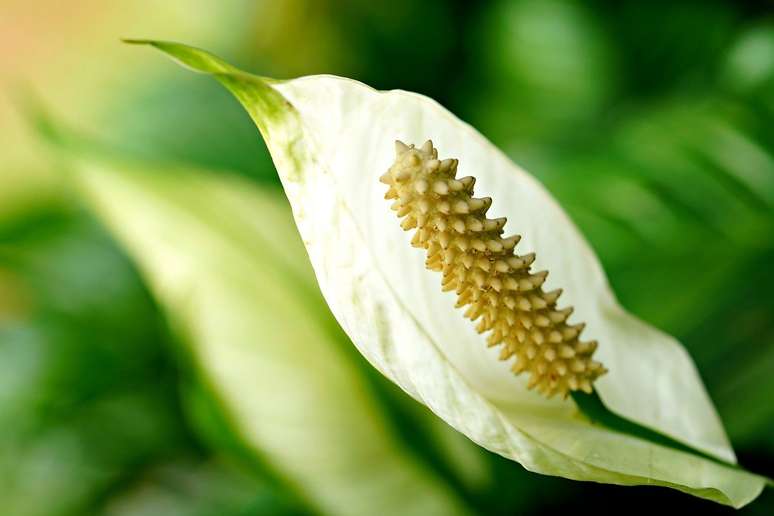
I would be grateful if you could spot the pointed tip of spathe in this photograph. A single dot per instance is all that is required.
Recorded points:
(427, 147)
(400, 147)
(136, 41)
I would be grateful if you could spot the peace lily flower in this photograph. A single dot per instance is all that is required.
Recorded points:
(331, 140)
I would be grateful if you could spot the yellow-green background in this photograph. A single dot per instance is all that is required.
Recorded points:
(651, 122)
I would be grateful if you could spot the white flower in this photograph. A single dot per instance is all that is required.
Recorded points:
(331, 139)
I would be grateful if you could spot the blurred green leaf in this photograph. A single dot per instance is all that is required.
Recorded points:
(224, 260)
(167, 121)
(662, 45)
(190, 487)
(750, 62)
(85, 391)
(546, 65)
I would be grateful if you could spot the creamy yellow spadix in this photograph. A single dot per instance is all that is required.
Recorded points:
(480, 265)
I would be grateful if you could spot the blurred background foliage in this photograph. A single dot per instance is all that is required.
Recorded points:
(651, 122)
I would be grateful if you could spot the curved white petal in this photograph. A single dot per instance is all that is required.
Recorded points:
(331, 138)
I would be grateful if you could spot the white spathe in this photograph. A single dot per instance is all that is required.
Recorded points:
(331, 138)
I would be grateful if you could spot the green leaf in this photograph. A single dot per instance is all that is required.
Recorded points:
(224, 261)
(331, 139)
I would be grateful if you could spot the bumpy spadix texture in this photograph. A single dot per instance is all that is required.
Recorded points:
(496, 284)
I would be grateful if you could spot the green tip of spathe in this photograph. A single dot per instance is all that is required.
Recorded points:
(192, 58)
(135, 41)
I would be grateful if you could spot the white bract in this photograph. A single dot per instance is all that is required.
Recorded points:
(331, 139)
